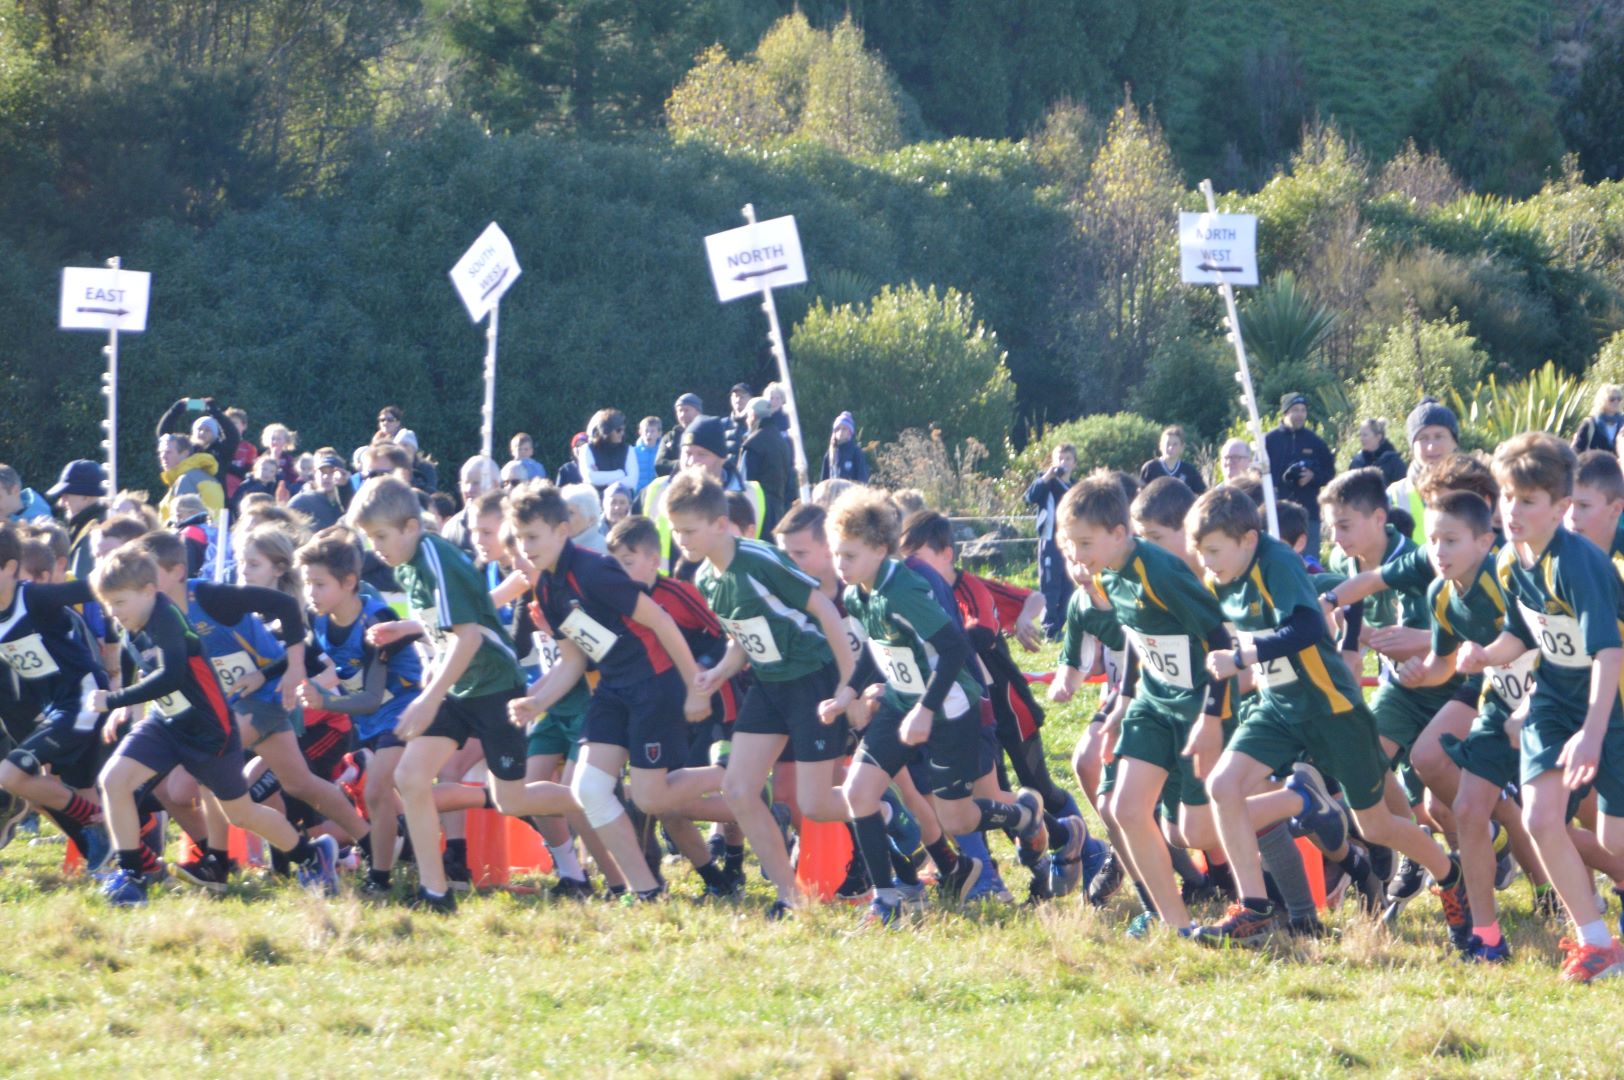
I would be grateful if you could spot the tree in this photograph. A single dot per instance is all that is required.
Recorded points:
(1590, 115)
(938, 366)
(733, 105)
(851, 102)
(1418, 359)
(1500, 137)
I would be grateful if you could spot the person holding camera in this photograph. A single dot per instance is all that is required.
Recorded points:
(1045, 495)
(1299, 462)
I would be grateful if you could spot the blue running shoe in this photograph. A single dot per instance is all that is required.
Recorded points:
(1478, 953)
(989, 885)
(881, 913)
(1324, 821)
(320, 871)
(1065, 875)
(98, 849)
(124, 889)
(1139, 926)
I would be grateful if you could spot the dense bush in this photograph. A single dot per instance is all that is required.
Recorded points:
(1418, 359)
(909, 358)
(1122, 441)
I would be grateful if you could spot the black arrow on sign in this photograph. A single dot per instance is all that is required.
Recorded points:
(1211, 267)
(103, 311)
(746, 275)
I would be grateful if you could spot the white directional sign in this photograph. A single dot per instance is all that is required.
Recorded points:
(485, 272)
(766, 254)
(1214, 248)
(99, 298)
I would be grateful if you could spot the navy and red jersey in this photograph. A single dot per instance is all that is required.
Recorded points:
(589, 599)
(176, 677)
(700, 629)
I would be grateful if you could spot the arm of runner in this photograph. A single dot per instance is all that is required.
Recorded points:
(552, 687)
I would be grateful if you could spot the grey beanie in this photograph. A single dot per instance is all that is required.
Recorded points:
(1429, 414)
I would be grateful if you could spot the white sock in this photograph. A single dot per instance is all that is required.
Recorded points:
(565, 861)
(1596, 933)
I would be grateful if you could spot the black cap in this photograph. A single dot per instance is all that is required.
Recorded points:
(742, 387)
(707, 433)
(692, 401)
(1293, 398)
(80, 478)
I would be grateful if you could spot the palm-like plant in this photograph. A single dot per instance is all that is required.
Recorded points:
(1548, 399)
(1283, 325)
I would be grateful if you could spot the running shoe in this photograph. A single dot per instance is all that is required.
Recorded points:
(1587, 963)
(1324, 821)
(1241, 926)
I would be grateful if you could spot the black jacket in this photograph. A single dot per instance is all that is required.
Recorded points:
(1593, 436)
(668, 459)
(1289, 453)
(1385, 457)
(765, 457)
(845, 461)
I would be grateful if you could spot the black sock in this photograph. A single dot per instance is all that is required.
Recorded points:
(379, 878)
(302, 851)
(70, 828)
(649, 894)
(457, 851)
(281, 863)
(1262, 907)
(1144, 897)
(1451, 879)
(733, 858)
(616, 890)
(999, 815)
(219, 855)
(712, 874)
(903, 867)
(1356, 863)
(130, 861)
(365, 844)
(943, 855)
(875, 850)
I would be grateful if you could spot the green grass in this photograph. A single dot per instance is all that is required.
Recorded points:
(1368, 64)
(271, 982)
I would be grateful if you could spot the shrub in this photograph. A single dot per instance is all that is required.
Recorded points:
(1190, 381)
(1414, 360)
(947, 476)
(908, 358)
(1122, 441)
(1547, 400)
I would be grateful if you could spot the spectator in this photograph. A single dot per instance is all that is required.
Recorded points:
(523, 449)
(210, 429)
(262, 480)
(647, 449)
(1599, 430)
(479, 474)
(737, 424)
(776, 397)
(242, 462)
(1172, 462)
(766, 457)
(280, 445)
(1234, 460)
(328, 495)
(1045, 494)
(79, 493)
(606, 457)
(391, 425)
(586, 513)
(18, 503)
(617, 505)
(425, 470)
(1433, 433)
(187, 472)
(689, 408)
(844, 459)
(570, 472)
(1375, 451)
(1299, 462)
(513, 475)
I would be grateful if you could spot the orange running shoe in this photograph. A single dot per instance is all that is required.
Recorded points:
(1586, 963)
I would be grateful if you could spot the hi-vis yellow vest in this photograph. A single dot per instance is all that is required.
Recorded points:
(654, 507)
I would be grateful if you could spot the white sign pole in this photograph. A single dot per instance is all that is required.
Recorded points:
(1244, 377)
(487, 423)
(110, 350)
(775, 338)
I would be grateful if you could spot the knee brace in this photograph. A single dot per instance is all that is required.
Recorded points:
(595, 791)
(266, 786)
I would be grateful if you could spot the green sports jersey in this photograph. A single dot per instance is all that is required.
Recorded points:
(761, 600)
(1408, 574)
(442, 591)
(898, 617)
(1568, 605)
(1386, 608)
(1478, 614)
(1071, 638)
(1307, 684)
(1167, 616)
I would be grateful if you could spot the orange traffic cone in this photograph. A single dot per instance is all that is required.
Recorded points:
(487, 848)
(1314, 867)
(825, 852)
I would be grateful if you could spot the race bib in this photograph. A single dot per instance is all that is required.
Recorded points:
(1166, 656)
(171, 705)
(1271, 674)
(1558, 637)
(589, 635)
(899, 666)
(856, 636)
(547, 651)
(1514, 681)
(232, 668)
(755, 637)
(28, 657)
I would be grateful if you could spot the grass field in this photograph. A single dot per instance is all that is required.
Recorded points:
(273, 983)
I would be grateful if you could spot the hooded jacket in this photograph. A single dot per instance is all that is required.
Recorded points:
(193, 475)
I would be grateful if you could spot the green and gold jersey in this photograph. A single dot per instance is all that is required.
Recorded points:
(761, 601)
(444, 590)
(1477, 614)
(1568, 605)
(1308, 684)
(1167, 616)
(898, 618)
